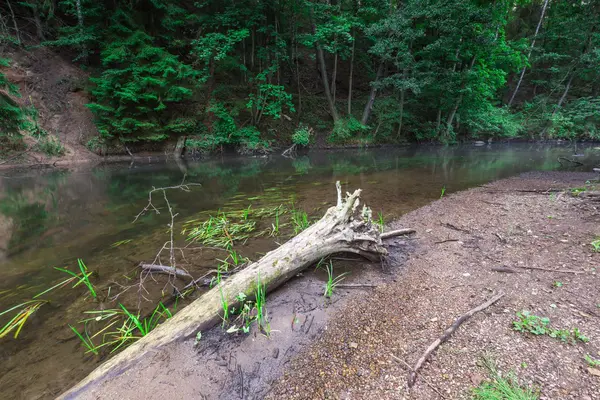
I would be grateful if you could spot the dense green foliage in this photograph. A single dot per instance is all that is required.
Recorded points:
(249, 73)
(12, 117)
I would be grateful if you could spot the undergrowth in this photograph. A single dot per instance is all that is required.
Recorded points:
(529, 323)
(502, 387)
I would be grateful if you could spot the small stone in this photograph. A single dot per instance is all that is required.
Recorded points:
(275, 353)
(434, 319)
(428, 230)
(466, 274)
(353, 345)
(594, 371)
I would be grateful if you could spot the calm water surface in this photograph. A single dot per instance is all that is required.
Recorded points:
(52, 217)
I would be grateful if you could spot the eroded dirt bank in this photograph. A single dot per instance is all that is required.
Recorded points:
(346, 350)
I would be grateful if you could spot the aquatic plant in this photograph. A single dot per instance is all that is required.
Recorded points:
(299, 220)
(120, 243)
(85, 340)
(332, 281)
(27, 308)
(246, 212)
(244, 313)
(132, 328)
(248, 312)
(224, 303)
(16, 323)
(221, 232)
(380, 222)
(443, 192)
(259, 304)
(83, 277)
(275, 225)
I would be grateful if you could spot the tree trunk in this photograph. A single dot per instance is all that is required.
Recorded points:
(178, 152)
(457, 104)
(451, 116)
(82, 45)
(39, 30)
(343, 228)
(298, 81)
(564, 95)
(537, 29)
(323, 72)
(334, 76)
(402, 94)
(351, 75)
(372, 95)
(14, 19)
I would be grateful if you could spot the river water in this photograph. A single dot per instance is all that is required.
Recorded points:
(50, 218)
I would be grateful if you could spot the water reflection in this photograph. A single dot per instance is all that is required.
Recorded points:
(51, 217)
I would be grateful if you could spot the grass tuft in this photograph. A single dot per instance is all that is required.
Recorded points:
(502, 387)
(332, 281)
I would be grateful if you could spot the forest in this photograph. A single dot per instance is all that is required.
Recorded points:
(254, 74)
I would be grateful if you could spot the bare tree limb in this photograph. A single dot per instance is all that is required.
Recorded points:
(447, 333)
(397, 232)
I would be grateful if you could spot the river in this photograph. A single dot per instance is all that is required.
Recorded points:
(50, 218)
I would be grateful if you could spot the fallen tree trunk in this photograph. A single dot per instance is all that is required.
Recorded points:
(343, 228)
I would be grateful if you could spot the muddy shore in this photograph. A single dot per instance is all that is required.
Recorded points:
(347, 348)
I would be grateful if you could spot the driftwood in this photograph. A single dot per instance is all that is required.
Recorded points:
(505, 269)
(163, 269)
(290, 152)
(401, 361)
(355, 285)
(569, 160)
(565, 271)
(413, 374)
(590, 194)
(397, 232)
(343, 228)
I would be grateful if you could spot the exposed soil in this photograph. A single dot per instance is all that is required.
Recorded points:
(500, 224)
(343, 349)
(55, 87)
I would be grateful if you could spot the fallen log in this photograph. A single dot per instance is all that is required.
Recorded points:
(343, 228)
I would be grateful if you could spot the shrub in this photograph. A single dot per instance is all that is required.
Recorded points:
(302, 135)
(345, 129)
(50, 146)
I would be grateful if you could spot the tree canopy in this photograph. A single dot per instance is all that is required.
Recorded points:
(250, 73)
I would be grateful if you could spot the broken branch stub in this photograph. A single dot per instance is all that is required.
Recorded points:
(341, 229)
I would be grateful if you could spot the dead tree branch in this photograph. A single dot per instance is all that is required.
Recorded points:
(413, 375)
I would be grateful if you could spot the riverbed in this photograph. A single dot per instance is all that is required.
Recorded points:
(50, 218)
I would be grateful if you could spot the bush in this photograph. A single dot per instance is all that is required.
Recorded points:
(12, 117)
(249, 141)
(345, 129)
(50, 146)
(492, 121)
(301, 136)
(96, 145)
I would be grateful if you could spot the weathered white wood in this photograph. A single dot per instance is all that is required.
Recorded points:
(342, 229)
